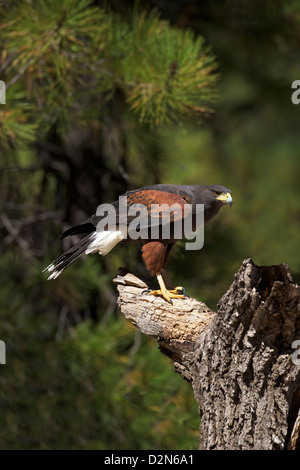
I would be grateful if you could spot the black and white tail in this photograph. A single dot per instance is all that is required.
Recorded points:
(101, 242)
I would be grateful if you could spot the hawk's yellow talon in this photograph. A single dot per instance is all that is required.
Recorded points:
(178, 291)
(168, 295)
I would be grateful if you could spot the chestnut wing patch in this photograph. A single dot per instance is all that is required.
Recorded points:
(161, 206)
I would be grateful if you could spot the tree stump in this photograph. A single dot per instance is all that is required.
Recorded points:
(241, 361)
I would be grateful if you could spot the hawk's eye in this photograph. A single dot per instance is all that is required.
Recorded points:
(217, 193)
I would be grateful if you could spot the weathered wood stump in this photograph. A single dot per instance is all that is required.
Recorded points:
(240, 361)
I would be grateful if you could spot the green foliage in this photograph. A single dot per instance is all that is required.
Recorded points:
(90, 390)
(72, 56)
(15, 121)
(174, 81)
(53, 48)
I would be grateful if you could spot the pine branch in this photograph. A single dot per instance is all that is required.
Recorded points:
(68, 58)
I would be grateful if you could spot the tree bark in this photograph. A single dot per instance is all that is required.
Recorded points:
(241, 361)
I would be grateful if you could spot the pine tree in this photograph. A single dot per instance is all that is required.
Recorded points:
(63, 60)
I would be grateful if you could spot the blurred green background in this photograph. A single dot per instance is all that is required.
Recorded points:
(102, 98)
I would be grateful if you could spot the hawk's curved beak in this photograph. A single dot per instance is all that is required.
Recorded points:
(225, 198)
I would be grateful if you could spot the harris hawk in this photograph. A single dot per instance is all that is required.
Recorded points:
(155, 250)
